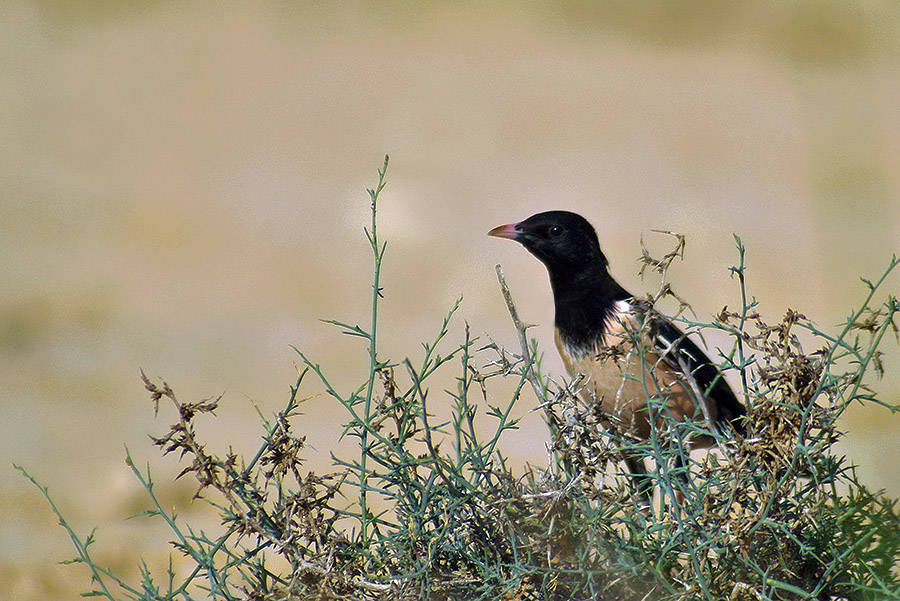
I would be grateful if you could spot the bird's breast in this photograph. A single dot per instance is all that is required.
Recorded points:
(623, 372)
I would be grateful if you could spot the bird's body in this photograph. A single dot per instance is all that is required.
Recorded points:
(627, 353)
(622, 376)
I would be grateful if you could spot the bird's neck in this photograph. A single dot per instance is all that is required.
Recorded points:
(585, 300)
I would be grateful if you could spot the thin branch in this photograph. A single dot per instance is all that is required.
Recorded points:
(528, 370)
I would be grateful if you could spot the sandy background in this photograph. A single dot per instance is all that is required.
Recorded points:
(183, 190)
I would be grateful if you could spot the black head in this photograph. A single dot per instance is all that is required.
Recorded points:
(584, 292)
(565, 242)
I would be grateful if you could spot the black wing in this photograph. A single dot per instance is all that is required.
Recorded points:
(709, 379)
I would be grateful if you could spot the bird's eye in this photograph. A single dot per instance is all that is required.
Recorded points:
(555, 231)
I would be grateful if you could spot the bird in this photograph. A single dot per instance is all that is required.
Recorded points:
(597, 325)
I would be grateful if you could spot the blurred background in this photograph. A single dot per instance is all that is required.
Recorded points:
(182, 189)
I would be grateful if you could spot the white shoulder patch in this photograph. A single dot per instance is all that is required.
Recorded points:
(622, 313)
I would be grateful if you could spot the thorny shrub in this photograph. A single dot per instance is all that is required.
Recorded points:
(435, 511)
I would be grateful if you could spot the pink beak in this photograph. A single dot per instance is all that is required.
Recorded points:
(505, 231)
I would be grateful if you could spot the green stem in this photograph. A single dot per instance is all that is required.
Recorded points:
(854, 317)
(739, 271)
(378, 253)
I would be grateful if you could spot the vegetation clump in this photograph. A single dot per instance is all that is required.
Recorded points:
(434, 510)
